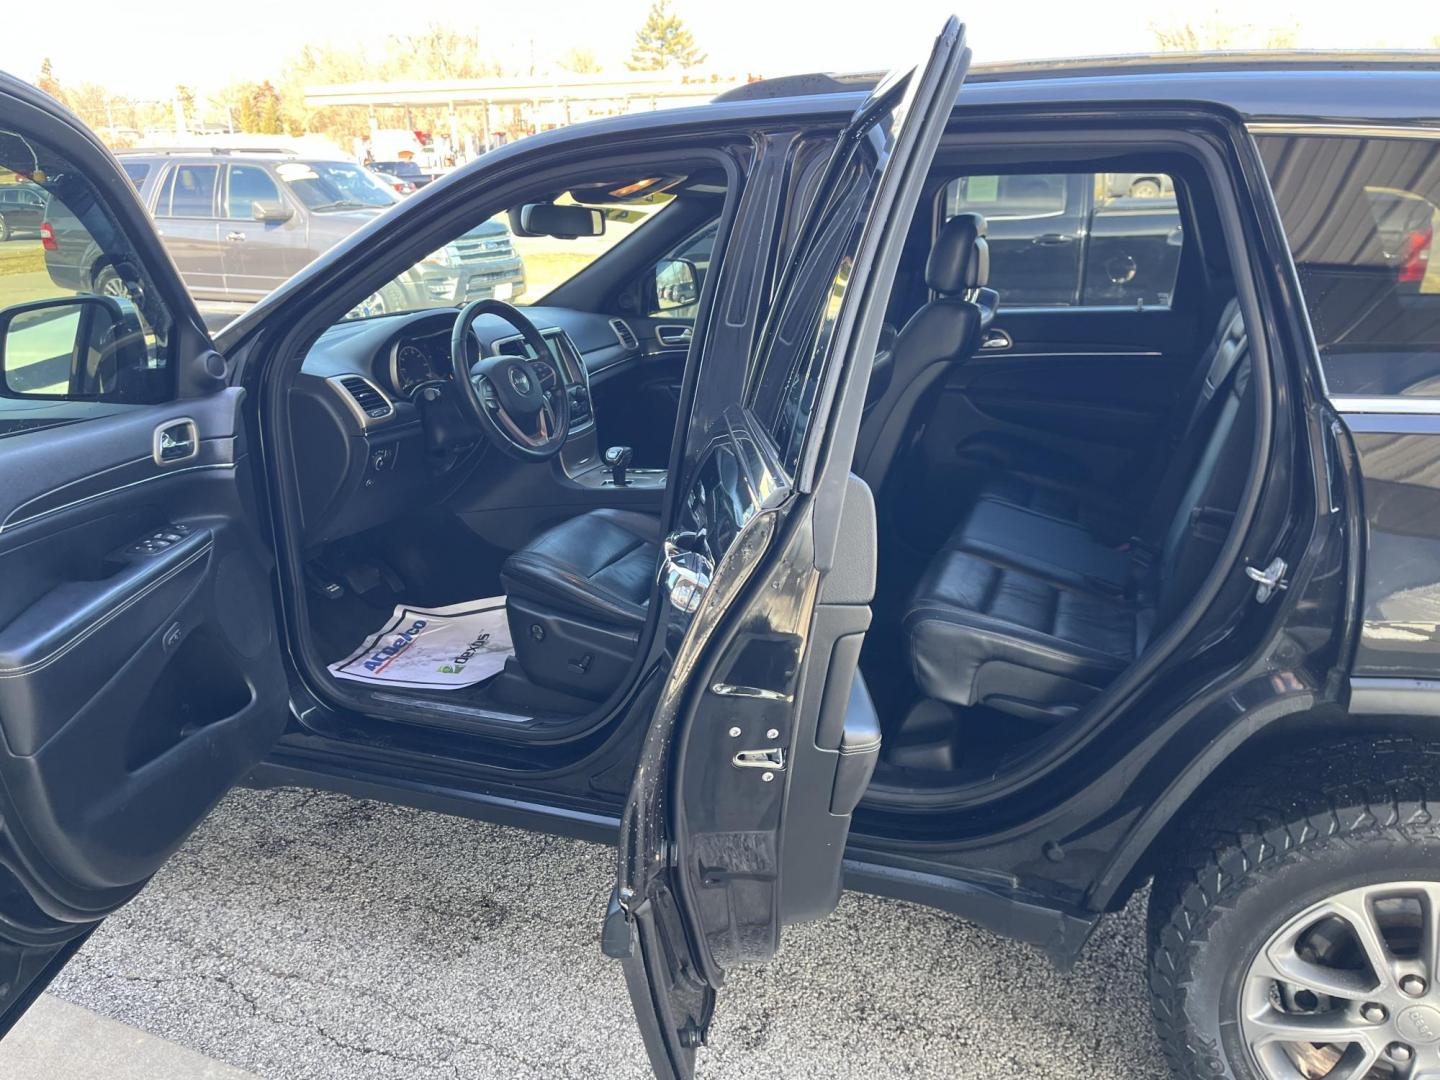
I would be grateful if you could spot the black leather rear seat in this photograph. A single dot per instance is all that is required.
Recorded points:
(1030, 609)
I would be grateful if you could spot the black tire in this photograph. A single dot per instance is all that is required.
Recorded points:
(4, 229)
(1260, 852)
(1146, 188)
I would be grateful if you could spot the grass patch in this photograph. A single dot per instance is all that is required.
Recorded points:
(21, 258)
(546, 269)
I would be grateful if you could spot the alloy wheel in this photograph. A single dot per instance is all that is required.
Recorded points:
(114, 285)
(1346, 990)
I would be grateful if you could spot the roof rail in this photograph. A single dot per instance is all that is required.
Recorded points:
(217, 150)
(1090, 66)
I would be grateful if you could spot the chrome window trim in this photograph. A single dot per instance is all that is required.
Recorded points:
(1370, 131)
(1414, 406)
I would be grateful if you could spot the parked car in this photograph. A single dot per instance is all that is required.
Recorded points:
(390, 180)
(407, 170)
(238, 224)
(1069, 239)
(1008, 608)
(22, 209)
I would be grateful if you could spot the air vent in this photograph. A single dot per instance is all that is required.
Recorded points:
(624, 334)
(369, 403)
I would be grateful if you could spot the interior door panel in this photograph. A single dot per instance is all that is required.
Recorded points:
(1095, 384)
(140, 674)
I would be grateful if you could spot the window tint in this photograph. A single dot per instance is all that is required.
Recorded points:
(1007, 196)
(1361, 217)
(247, 185)
(191, 191)
(136, 171)
(1068, 239)
(79, 318)
(786, 379)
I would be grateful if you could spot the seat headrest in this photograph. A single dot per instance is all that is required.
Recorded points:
(960, 258)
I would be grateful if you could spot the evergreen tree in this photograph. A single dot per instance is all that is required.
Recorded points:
(663, 41)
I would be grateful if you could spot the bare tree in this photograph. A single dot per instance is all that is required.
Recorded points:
(580, 61)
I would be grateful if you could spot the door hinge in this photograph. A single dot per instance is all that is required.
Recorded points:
(1268, 581)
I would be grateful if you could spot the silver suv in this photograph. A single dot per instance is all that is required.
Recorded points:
(239, 223)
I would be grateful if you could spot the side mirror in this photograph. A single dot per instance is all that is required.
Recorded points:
(562, 222)
(270, 211)
(677, 283)
(73, 347)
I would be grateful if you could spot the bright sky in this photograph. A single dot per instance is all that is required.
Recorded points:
(143, 48)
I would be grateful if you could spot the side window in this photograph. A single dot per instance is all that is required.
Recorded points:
(191, 191)
(679, 275)
(245, 186)
(1361, 215)
(79, 319)
(1076, 239)
(136, 171)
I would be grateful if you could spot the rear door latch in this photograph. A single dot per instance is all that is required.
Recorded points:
(1268, 581)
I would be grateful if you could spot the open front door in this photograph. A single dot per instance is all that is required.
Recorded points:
(140, 669)
(764, 738)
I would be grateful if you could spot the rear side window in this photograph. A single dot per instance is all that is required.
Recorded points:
(189, 192)
(1076, 239)
(248, 184)
(136, 171)
(1361, 215)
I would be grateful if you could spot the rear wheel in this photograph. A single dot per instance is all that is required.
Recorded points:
(4, 229)
(1296, 936)
(108, 282)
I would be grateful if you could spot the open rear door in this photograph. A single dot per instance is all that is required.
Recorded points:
(764, 737)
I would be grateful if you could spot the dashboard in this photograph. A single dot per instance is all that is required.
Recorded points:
(365, 451)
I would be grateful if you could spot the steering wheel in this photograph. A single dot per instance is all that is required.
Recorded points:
(505, 393)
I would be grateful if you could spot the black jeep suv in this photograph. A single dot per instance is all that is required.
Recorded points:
(886, 580)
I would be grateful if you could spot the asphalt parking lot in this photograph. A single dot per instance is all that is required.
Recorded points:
(305, 935)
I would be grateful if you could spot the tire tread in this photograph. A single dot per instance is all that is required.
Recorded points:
(1244, 828)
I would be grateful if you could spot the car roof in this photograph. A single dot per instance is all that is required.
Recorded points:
(210, 157)
(1273, 86)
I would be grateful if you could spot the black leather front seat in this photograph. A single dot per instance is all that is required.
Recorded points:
(577, 596)
(944, 331)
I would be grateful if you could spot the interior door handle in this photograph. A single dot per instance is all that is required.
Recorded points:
(175, 441)
(995, 340)
(1053, 239)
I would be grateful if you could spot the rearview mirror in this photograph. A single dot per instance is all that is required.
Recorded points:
(270, 211)
(562, 222)
(74, 347)
(677, 284)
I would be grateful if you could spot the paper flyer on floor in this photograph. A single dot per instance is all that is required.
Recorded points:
(439, 648)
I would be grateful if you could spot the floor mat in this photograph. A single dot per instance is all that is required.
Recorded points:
(440, 648)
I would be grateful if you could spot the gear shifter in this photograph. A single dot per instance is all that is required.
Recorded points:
(617, 460)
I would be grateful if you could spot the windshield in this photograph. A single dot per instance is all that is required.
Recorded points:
(334, 185)
(488, 260)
